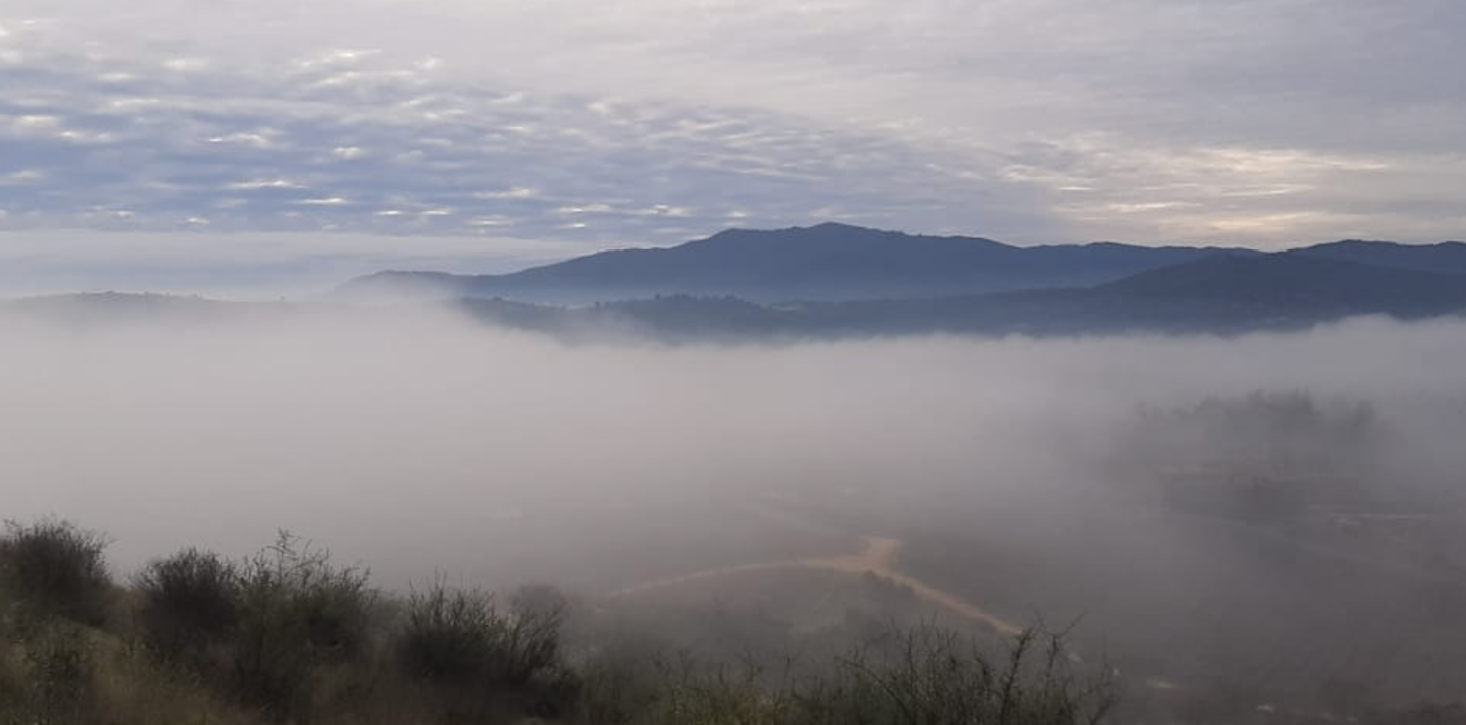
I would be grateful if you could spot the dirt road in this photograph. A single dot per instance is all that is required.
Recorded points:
(878, 558)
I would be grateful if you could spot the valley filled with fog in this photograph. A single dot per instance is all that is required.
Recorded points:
(1268, 517)
(653, 362)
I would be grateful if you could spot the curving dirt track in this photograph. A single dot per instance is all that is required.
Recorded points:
(878, 558)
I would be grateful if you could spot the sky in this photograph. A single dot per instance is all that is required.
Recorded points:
(285, 145)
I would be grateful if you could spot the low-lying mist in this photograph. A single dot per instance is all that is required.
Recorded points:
(418, 442)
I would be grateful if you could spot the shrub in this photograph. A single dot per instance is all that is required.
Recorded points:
(531, 643)
(51, 568)
(620, 684)
(485, 662)
(52, 680)
(187, 604)
(295, 612)
(449, 635)
(459, 636)
(925, 676)
(938, 677)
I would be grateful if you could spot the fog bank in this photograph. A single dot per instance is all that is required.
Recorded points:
(421, 441)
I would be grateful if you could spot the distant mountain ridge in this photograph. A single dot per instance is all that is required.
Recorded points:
(827, 262)
(1441, 257)
(1210, 291)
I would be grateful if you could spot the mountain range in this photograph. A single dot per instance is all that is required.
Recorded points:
(828, 262)
(841, 263)
(836, 280)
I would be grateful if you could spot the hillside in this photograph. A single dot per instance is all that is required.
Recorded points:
(1442, 258)
(828, 262)
(1214, 294)
(1220, 295)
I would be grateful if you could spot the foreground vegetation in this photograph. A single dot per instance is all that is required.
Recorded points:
(287, 636)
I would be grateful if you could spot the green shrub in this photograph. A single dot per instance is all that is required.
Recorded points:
(530, 651)
(187, 604)
(485, 662)
(51, 568)
(935, 676)
(295, 612)
(50, 680)
(924, 676)
(449, 635)
(459, 636)
(620, 684)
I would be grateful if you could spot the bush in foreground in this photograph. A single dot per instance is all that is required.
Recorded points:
(187, 604)
(295, 612)
(924, 676)
(483, 660)
(50, 679)
(288, 637)
(54, 569)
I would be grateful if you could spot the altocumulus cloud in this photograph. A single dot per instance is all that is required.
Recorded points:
(360, 142)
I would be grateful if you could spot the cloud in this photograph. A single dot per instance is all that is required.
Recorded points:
(195, 257)
(1055, 120)
(256, 184)
(23, 177)
(518, 192)
(444, 158)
